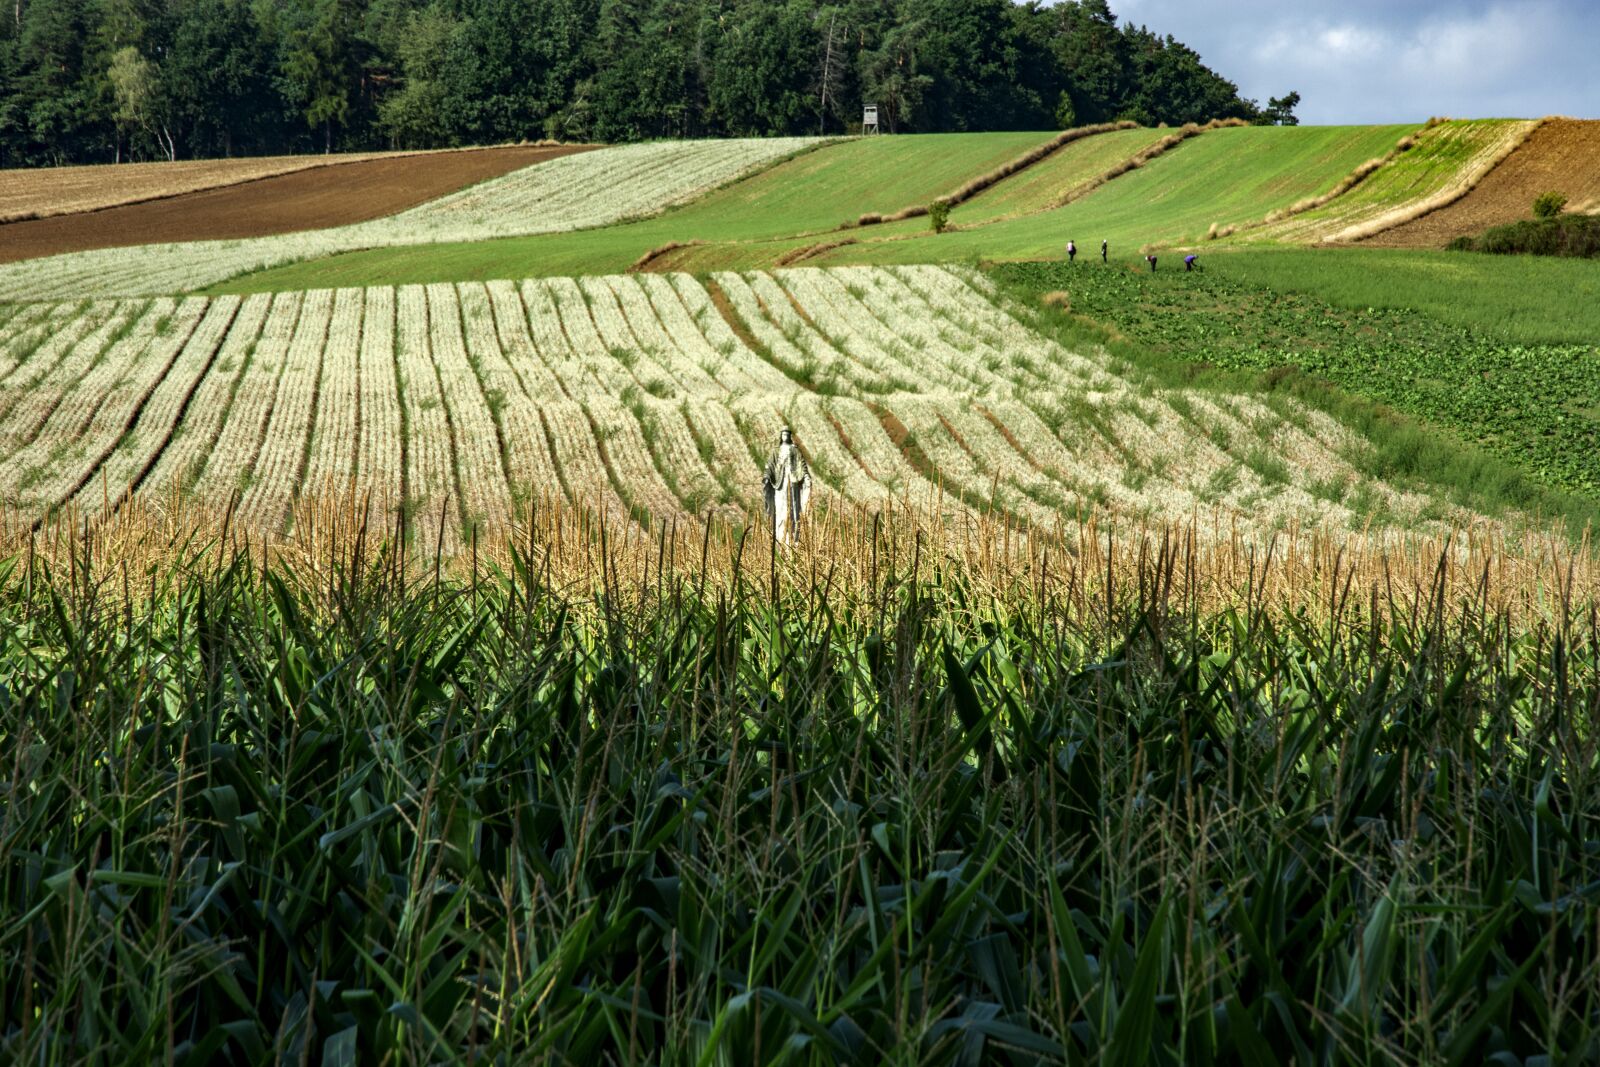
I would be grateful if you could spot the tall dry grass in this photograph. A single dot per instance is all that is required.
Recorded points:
(1217, 559)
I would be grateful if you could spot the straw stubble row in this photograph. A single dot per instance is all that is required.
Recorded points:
(454, 407)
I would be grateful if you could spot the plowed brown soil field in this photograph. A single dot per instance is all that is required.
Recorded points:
(308, 199)
(1562, 155)
(41, 192)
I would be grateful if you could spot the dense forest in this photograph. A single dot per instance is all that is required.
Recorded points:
(104, 80)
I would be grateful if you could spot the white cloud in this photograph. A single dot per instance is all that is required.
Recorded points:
(1381, 61)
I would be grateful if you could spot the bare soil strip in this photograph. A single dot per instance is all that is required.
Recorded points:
(42, 192)
(1562, 156)
(309, 199)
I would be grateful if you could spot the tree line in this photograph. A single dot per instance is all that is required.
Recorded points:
(107, 80)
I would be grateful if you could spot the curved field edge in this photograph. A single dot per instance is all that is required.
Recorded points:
(817, 193)
(1448, 158)
(1562, 156)
(1177, 196)
(556, 195)
(307, 199)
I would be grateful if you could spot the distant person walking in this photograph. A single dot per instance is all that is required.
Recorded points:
(1103, 248)
(1152, 261)
(1072, 252)
(1188, 262)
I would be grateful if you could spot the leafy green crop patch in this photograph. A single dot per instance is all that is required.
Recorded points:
(1510, 398)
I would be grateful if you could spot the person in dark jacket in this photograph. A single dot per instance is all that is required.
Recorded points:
(1152, 261)
(1103, 248)
(1072, 252)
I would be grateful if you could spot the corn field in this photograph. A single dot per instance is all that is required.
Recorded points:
(900, 796)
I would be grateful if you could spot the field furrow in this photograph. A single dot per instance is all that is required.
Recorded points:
(704, 319)
(1076, 470)
(26, 328)
(94, 417)
(568, 352)
(139, 354)
(583, 472)
(629, 461)
(1016, 483)
(228, 467)
(991, 348)
(48, 425)
(657, 373)
(530, 471)
(837, 311)
(973, 344)
(137, 450)
(32, 392)
(480, 470)
(336, 424)
(884, 460)
(431, 501)
(275, 481)
(691, 375)
(380, 456)
(516, 342)
(985, 484)
(657, 311)
(612, 370)
(678, 456)
(195, 438)
(726, 453)
(803, 355)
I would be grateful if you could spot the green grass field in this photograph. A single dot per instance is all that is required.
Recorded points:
(1226, 177)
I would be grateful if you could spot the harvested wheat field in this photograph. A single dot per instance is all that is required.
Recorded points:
(1563, 156)
(651, 396)
(306, 198)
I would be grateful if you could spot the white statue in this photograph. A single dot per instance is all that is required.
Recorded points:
(787, 487)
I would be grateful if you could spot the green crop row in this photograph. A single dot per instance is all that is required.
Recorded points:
(335, 817)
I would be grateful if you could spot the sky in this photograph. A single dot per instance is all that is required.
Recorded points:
(1373, 61)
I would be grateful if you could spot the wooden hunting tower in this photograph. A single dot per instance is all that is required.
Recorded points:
(869, 119)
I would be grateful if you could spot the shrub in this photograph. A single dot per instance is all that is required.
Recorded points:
(1548, 205)
(1576, 236)
(939, 215)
